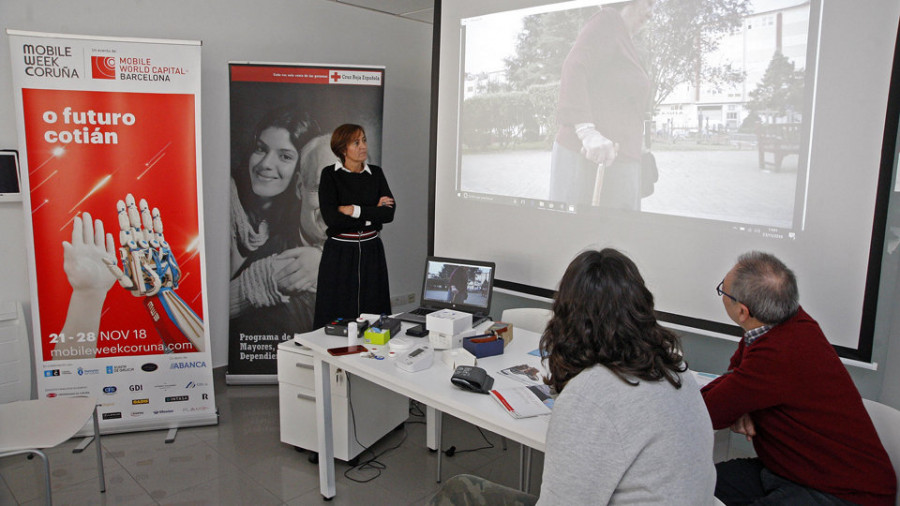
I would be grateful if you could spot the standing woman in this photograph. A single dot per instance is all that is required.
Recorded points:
(355, 203)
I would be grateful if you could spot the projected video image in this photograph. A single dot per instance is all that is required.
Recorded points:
(564, 108)
(458, 284)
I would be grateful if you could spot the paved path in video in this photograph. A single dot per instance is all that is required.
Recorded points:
(523, 174)
(720, 185)
(474, 298)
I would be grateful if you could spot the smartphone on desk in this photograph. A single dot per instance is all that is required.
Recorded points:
(417, 331)
(347, 350)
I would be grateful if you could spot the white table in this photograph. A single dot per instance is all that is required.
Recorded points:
(431, 387)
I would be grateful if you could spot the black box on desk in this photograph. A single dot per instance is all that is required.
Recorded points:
(387, 323)
(483, 347)
(339, 327)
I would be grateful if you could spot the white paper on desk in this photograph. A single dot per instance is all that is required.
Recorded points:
(524, 402)
(704, 378)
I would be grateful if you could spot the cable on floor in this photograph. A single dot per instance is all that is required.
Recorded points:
(453, 451)
(372, 463)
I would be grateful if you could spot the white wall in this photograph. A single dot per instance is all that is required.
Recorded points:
(289, 31)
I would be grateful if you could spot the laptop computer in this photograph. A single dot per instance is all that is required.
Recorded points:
(452, 283)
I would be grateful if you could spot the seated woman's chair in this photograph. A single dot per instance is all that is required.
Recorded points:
(533, 319)
(887, 424)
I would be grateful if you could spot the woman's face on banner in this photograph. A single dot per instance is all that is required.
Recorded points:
(273, 162)
(315, 156)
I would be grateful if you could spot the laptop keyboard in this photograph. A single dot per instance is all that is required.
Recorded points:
(421, 311)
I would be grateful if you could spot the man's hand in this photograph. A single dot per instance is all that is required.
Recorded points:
(386, 201)
(744, 425)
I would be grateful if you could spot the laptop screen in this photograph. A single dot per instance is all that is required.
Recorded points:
(464, 285)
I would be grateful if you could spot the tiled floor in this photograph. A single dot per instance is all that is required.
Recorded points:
(242, 461)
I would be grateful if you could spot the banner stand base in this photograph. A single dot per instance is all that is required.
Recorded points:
(148, 425)
(83, 444)
(251, 379)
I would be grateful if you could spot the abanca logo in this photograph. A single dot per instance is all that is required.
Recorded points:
(103, 67)
(187, 365)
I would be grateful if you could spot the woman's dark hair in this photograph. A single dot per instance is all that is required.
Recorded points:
(342, 137)
(283, 213)
(603, 314)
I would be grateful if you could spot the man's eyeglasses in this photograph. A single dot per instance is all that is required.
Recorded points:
(732, 297)
(723, 292)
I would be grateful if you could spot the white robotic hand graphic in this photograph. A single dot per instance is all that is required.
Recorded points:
(150, 270)
(148, 263)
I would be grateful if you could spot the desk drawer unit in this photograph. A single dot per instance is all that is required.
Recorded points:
(296, 368)
(377, 410)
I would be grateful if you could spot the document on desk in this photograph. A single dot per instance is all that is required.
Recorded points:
(523, 373)
(524, 401)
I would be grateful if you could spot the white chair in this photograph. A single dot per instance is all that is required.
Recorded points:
(887, 424)
(30, 426)
(15, 356)
(533, 319)
(529, 318)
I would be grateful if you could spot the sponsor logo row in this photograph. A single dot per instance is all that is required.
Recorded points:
(115, 415)
(138, 387)
(114, 369)
(113, 390)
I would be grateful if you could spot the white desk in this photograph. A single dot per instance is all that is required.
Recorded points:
(431, 387)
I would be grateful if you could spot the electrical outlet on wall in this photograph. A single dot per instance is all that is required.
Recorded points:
(403, 300)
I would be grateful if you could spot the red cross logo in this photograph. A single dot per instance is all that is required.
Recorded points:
(335, 76)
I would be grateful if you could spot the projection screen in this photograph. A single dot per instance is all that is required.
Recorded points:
(766, 119)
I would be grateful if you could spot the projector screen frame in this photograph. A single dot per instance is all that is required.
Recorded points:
(885, 184)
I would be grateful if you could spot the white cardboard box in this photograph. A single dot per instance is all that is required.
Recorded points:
(441, 341)
(448, 322)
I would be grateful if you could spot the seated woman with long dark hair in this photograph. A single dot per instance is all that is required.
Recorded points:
(629, 425)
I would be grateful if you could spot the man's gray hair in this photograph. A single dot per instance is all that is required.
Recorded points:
(766, 286)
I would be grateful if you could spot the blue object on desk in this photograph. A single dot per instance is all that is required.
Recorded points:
(483, 349)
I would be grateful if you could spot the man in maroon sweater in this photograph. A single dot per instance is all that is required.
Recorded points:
(788, 392)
